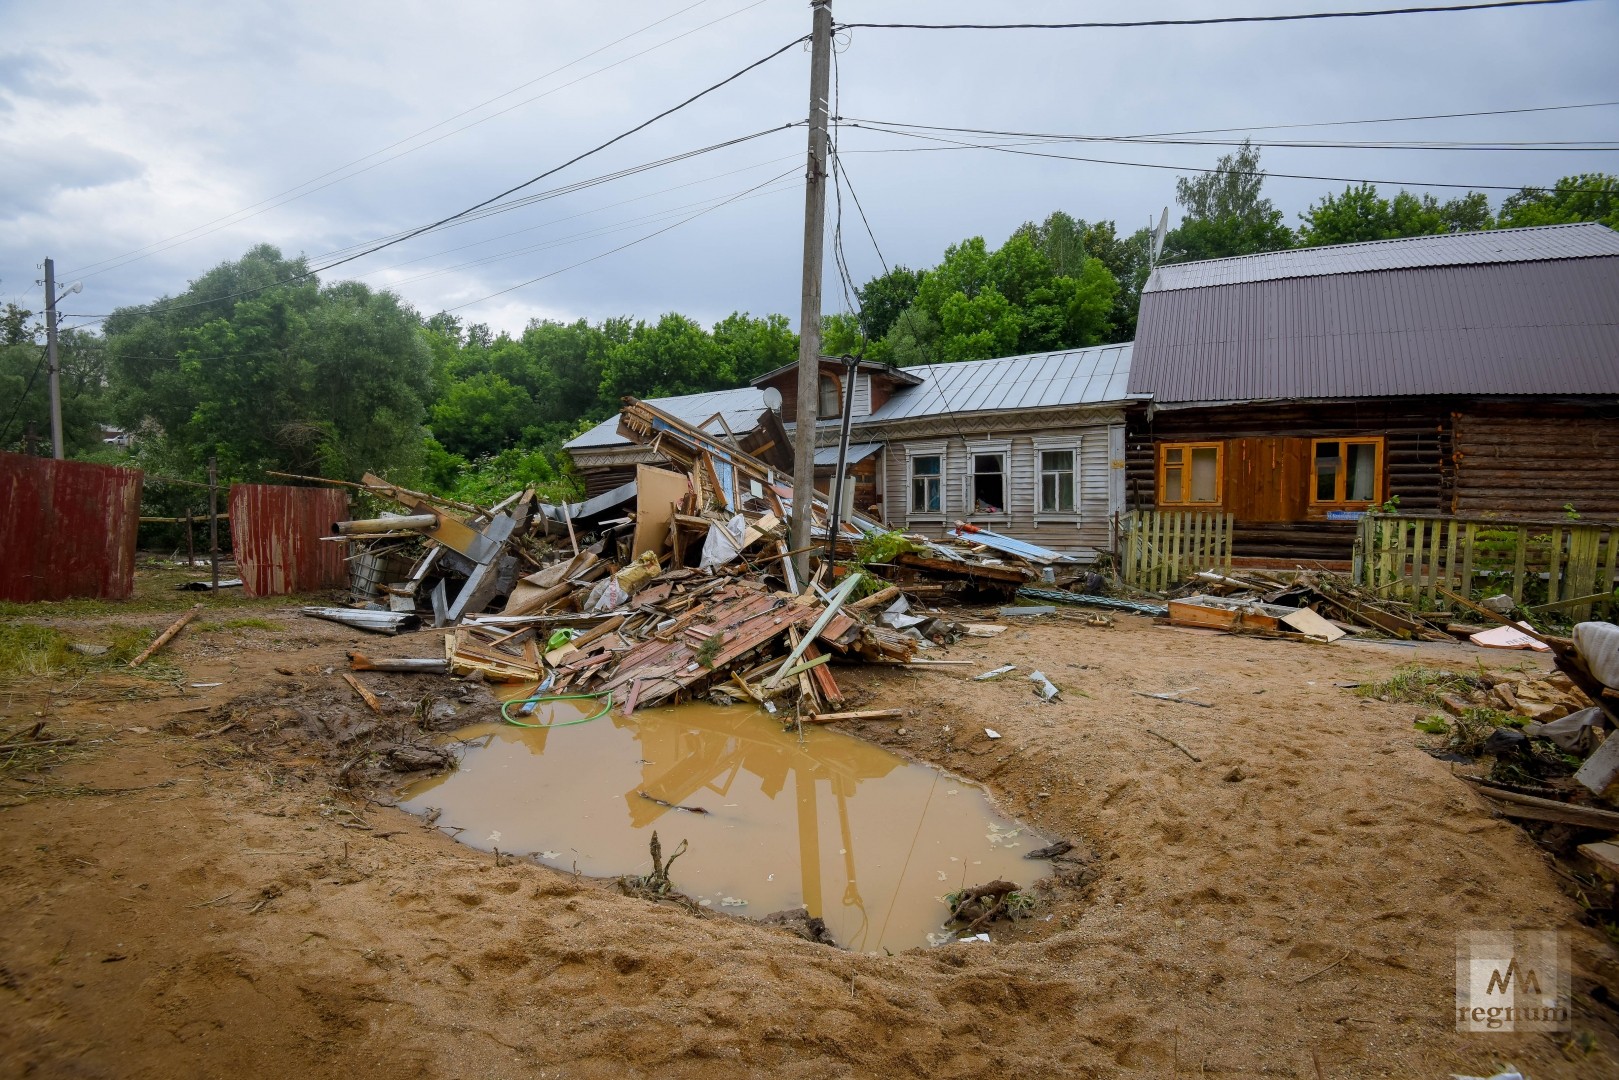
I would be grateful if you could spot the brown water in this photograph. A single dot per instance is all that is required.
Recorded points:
(865, 839)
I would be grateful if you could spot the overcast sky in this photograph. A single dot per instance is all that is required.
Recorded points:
(123, 126)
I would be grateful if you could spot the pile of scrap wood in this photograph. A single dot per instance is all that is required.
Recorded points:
(676, 585)
(1308, 603)
(713, 507)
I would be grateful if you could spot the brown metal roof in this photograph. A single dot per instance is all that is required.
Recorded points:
(1577, 240)
(1512, 327)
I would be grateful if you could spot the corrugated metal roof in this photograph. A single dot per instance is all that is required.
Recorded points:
(827, 456)
(1546, 327)
(1582, 240)
(1038, 380)
(741, 409)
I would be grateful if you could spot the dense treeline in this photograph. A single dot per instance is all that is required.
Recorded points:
(265, 367)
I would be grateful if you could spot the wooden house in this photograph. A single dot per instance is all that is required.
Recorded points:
(1465, 373)
(1029, 446)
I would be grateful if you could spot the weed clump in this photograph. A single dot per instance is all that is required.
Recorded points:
(1417, 685)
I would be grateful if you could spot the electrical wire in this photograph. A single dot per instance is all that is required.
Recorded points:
(486, 203)
(1394, 119)
(621, 247)
(44, 354)
(569, 189)
(281, 198)
(1581, 145)
(953, 144)
(1210, 21)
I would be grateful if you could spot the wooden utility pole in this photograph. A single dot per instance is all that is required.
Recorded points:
(53, 359)
(213, 518)
(809, 320)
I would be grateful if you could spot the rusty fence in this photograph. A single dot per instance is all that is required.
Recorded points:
(1160, 548)
(67, 529)
(1566, 566)
(276, 535)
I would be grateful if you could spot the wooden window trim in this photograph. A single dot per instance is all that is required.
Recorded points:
(1346, 441)
(1040, 449)
(837, 387)
(940, 478)
(1186, 474)
(998, 448)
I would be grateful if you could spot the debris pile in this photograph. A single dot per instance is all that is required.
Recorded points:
(676, 585)
(1307, 603)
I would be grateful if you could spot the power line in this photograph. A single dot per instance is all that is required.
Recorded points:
(1396, 119)
(571, 161)
(621, 247)
(43, 355)
(1571, 145)
(401, 237)
(567, 189)
(280, 199)
(953, 144)
(1212, 21)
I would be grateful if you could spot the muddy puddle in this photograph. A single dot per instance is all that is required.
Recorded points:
(866, 840)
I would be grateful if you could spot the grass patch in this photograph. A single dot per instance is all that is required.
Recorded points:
(31, 652)
(156, 592)
(237, 624)
(1418, 685)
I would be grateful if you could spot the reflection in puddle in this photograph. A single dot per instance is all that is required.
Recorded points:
(863, 838)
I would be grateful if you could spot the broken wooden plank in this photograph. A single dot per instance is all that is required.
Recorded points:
(366, 696)
(165, 637)
(858, 714)
(1538, 809)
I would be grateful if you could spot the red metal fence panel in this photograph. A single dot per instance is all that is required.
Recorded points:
(67, 528)
(275, 533)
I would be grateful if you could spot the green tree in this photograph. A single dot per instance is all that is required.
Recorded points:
(755, 346)
(1582, 197)
(259, 365)
(482, 414)
(1361, 214)
(884, 298)
(1225, 212)
(672, 356)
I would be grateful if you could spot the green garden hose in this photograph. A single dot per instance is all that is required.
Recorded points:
(510, 719)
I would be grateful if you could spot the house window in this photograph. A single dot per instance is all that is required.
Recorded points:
(1057, 481)
(926, 472)
(988, 482)
(1347, 471)
(831, 400)
(1189, 474)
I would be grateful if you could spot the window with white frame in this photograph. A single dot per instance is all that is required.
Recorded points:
(927, 474)
(1059, 471)
(987, 482)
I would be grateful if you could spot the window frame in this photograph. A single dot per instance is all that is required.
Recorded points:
(911, 457)
(1042, 448)
(1001, 449)
(1183, 497)
(820, 398)
(1377, 442)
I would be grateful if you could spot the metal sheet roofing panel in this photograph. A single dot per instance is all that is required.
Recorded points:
(1544, 327)
(1033, 381)
(741, 409)
(1581, 240)
(827, 456)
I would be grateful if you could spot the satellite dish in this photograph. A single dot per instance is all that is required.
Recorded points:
(1158, 236)
(772, 398)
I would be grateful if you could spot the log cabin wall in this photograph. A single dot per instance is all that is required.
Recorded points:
(1267, 466)
(1532, 461)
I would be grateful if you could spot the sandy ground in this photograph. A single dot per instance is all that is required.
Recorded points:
(180, 901)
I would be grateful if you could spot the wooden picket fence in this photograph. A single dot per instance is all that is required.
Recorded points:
(1563, 566)
(1161, 548)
